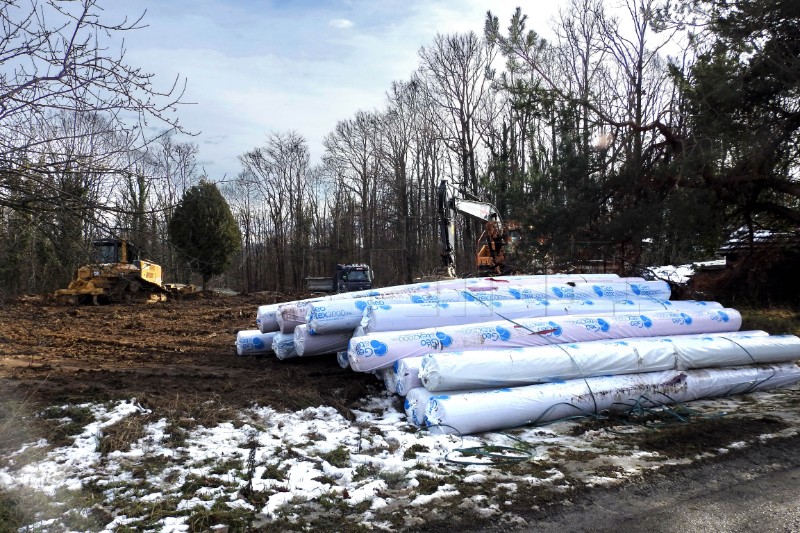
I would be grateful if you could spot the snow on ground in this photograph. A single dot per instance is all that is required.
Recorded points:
(269, 466)
(681, 274)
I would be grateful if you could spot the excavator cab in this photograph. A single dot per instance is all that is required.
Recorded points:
(498, 241)
(108, 251)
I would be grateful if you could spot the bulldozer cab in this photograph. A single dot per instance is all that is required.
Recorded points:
(110, 251)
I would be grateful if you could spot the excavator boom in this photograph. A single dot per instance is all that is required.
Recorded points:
(490, 258)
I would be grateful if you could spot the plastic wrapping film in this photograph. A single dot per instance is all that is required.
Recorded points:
(290, 315)
(265, 318)
(306, 344)
(346, 315)
(266, 314)
(407, 374)
(510, 407)
(539, 364)
(253, 342)
(389, 379)
(378, 350)
(283, 345)
(611, 290)
(341, 358)
(400, 317)
(416, 405)
(731, 350)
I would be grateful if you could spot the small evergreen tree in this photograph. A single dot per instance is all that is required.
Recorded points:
(204, 230)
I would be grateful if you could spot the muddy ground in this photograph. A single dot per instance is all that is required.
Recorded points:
(180, 356)
(176, 352)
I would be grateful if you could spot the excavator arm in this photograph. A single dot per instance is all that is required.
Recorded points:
(452, 201)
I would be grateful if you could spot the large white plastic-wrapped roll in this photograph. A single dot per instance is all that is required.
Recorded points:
(731, 350)
(505, 408)
(290, 315)
(265, 318)
(306, 344)
(416, 404)
(538, 364)
(382, 349)
(611, 290)
(398, 317)
(253, 342)
(346, 315)
(283, 345)
(269, 310)
(407, 374)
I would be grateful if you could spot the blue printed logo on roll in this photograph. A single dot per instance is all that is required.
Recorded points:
(648, 323)
(360, 305)
(378, 348)
(444, 339)
(635, 288)
(720, 316)
(557, 331)
(597, 290)
(503, 333)
(604, 326)
(257, 342)
(686, 319)
(558, 292)
(515, 293)
(416, 299)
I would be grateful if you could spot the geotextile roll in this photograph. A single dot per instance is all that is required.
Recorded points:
(283, 345)
(253, 342)
(265, 318)
(495, 409)
(416, 404)
(539, 364)
(290, 315)
(398, 317)
(378, 350)
(406, 372)
(306, 344)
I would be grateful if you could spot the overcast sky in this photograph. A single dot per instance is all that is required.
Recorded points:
(255, 67)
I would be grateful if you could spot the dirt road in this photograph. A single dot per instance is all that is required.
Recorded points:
(753, 489)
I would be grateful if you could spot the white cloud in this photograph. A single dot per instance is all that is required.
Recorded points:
(289, 66)
(341, 24)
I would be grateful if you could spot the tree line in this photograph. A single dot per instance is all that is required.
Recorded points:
(634, 137)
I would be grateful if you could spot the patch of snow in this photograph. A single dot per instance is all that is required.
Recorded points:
(290, 465)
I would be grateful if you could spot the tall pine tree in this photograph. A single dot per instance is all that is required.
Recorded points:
(204, 230)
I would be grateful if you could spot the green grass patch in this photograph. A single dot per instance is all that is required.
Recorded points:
(122, 435)
(11, 514)
(413, 450)
(235, 519)
(338, 457)
(704, 435)
(773, 321)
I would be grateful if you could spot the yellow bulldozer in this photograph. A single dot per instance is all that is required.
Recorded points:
(117, 274)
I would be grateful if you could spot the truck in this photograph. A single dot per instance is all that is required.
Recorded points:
(346, 278)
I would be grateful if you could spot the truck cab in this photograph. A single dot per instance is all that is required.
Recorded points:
(353, 278)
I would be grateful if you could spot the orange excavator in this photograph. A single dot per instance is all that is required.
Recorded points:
(495, 243)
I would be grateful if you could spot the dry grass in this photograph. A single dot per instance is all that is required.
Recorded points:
(774, 320)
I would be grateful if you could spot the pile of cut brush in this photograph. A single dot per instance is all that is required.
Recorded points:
(480, 354)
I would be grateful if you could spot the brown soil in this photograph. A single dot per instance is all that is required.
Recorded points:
(166, 353)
